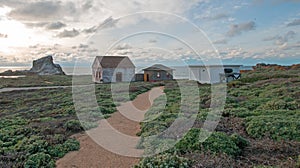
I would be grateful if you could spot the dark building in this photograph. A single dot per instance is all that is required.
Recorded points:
(139, 77)
(158, 72)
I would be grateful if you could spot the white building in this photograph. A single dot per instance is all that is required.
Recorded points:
(108, 69)
(214, 73)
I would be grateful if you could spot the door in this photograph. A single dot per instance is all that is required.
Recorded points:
(119, 77)
(146, 77)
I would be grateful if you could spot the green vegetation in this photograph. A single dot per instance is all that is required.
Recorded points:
(36, 125)
(164, 160)
(259, 126)
(35, 80)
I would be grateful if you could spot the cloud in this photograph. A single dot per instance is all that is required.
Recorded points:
(36, 24)
(12, 3)
(271, 38)
(37, 11)
(221, 41)
(237, 29)
(281, 39)
(107, 23)
(83, 46)
(55, 25)
(68, 33)
(123, 46)
(90, 30)
(215, 16)
(152, 41)
(295, 22)
(88, 5)
(3, 35)
(46, 25)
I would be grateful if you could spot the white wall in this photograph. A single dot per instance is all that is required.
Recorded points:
(209, 74)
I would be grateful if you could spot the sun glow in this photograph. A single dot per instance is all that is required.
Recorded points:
(16, 33)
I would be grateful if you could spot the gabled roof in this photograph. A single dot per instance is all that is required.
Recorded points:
(114, 62)
(158, 67)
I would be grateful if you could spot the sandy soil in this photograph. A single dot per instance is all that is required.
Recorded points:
(117, 134)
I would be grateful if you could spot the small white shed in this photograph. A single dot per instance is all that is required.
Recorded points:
(214, 73)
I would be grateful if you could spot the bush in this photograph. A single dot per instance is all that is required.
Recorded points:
(221, 143)
(164, 160)
(277, 127)
(61, 150)
(239, 141)
(217, 142)
(39, 160)
(73, 126)
(280, 105)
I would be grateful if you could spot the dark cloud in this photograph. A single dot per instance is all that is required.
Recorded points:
(55, 25)
(68, 33)
(83, 46)
(46, 25)
(237, 29)
(38, 10)
(281, 39)
(295, 22)
(290, 35)
(90, 30)
(3, 35)
(222, 41)
(36, 24)
(107, 23)
(88, 5)
(12, 3)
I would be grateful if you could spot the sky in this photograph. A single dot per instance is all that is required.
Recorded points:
(172, 32)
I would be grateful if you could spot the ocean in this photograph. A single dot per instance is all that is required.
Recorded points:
(179, 72)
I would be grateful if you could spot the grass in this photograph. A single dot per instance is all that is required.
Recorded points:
(36, 125)
(30, 81)
(259, 128)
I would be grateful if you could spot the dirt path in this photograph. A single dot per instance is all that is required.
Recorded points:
(123, 141)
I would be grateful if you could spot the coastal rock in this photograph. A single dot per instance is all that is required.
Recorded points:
(45, 66)
(42, 66)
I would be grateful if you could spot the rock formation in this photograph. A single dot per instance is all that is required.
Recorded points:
(42, 66)
(45, 66)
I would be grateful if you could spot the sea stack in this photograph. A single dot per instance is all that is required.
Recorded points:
(45, 66)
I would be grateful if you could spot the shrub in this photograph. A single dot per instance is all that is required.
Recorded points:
(61, 150)
(277, 127)
(221, 143)
(239, 141)
(238, 112)
(280, 105)
(39, 160)
(164, 160)
(73, 126)
(217, 142)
